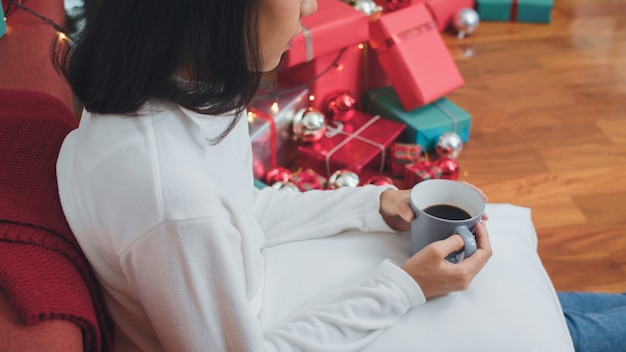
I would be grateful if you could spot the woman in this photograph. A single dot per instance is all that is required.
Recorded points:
(157, 185)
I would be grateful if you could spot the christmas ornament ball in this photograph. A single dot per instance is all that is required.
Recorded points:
(368, 7)
(286, 186)
(341, 106)
(278, 174)
(343, 178)
(450, 144)
(465, 22)
(379, 180)
(309, 125)
(449, 167)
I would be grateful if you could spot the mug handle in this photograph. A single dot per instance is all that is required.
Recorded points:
(469, 242)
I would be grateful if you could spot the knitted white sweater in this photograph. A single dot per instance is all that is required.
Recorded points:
(175, 230)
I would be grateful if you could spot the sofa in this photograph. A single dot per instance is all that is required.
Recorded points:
(50, 299)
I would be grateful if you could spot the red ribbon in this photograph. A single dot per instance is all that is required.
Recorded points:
(514, 6)
(273, 135)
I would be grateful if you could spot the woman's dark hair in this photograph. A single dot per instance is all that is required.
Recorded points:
(129, 51)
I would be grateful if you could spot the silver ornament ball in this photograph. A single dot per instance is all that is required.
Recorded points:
(309, 125)
(368, 7)
(465, 22)
(286, 186)
(343, 178)
(449, 144)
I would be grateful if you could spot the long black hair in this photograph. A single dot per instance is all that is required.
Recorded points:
(130, 51)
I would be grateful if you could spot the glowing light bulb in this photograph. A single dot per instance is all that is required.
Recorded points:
(361, 46)
(274, 107)
(250, 117)
(339, 67)
(311, 97)
(62, 36)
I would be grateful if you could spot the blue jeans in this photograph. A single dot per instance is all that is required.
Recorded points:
(596, 321)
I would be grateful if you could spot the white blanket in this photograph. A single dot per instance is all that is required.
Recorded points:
(510, 306)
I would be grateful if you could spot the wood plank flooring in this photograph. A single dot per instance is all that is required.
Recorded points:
(548, 105)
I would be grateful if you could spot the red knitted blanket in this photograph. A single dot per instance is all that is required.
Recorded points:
(42, 269)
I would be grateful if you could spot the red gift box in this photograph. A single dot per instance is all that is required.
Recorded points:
(415, 173)
(354, 68)
(414, 56)
(403, 154)
(335, 25)
(360, 145)
(308, 179)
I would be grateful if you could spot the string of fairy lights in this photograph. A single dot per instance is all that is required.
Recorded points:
(63, 35)
(61, 32)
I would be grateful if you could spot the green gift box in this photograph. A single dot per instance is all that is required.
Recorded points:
(3, 25)
(515, 10)
(425, 124)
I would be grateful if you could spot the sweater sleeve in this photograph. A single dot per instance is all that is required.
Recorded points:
(190, 278)
(291, 216)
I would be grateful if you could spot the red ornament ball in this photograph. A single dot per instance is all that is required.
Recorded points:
(379, 180)
(341, 106)
(449, 167)
(278, 174)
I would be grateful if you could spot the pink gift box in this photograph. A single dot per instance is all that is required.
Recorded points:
(443, 11)
(414, 56)
(354, 68)
(334, 26)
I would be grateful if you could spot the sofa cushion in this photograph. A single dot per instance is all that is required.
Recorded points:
(510, 306)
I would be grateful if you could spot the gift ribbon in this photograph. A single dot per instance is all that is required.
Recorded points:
(354, 135)
(397, 38)
(273, 134)
(447, 113)
(308, 44)
(514, 7)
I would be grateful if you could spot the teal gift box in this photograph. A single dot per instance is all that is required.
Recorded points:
(425, 124)
(3, 25)
(515, 10)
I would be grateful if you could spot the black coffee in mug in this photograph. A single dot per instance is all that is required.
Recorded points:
(447, 211)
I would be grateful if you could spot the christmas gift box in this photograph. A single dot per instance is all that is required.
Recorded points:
(334, 26)
(538, 11)
(443, 11)
(415, 173)
(328, 74)
(403, 154)
(3, 25)
(308, 179)
(270, 114)
(360, 145)
(414, 56)
(425, 124)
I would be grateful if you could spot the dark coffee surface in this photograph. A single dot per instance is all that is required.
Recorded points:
(446, 211)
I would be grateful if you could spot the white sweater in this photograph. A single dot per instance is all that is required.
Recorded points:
(175, 229)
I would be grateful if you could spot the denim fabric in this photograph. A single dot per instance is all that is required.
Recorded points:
(596, 321)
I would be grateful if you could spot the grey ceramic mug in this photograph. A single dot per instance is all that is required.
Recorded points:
(442, 222)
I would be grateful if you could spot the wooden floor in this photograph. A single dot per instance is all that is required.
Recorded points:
(549, 132)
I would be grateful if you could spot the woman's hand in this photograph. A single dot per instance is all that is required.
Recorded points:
(436, 276)
(395, 209)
